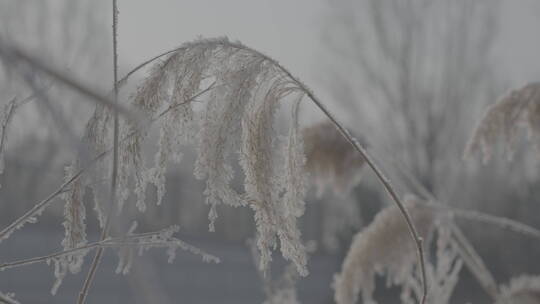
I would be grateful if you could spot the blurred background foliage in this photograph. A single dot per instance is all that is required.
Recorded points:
(411, 78)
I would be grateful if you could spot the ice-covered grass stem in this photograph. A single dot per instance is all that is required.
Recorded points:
(114, 174)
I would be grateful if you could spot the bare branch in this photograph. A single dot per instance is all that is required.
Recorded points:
(13, 54)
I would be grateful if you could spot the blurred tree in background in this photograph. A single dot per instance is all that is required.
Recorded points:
(416, 75)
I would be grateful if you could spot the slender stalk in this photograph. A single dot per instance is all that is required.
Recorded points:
(114, 173)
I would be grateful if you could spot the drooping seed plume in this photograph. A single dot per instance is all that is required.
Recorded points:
(222, 98)
(382, 248)
(503, 120)
(331, 160)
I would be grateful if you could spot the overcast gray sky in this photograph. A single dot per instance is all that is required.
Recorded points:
(285, 30)
(290, 31)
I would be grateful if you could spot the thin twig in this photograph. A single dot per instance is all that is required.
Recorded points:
(175, 105)
(116, 242)
(13, 53)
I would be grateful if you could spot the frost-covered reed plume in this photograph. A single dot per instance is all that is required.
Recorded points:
(382, 248)
(331, 160)
(221, 97)
(234, 120)
(521, 290)
(503, 120)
